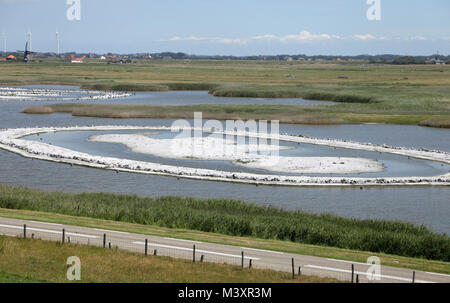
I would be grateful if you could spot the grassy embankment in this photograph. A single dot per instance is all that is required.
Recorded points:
(36, 261)
(235, 218)
(367, 93)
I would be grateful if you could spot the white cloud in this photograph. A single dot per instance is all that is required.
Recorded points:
(301, 37)
(214, 39)
(364, 37)
(307, 36)
(417, 38)
(231, 40)
(265, 37)
(191, 38)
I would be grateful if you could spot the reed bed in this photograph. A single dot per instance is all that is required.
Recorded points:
(236, 218)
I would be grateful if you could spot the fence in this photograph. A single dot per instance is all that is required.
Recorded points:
(192, 250)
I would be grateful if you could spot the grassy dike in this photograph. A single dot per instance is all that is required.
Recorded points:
(237, 219)
(276, 245)
(37, 261)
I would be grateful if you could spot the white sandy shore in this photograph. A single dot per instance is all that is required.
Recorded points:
(41, 94)
(10, 140)
(205, 148)
(315, 165)
(252, 155)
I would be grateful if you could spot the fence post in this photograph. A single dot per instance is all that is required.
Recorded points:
(104, 240)
(242, 259)
(63, 235)
(414, 277)
(24, 231)
(293, 269)
(357, 278)
(155, 253)
(193, 254)
(250, 263)
(353, 272)
(299, 271)
(201, 258)
(146, 246)
(32, 236)
(109, 245)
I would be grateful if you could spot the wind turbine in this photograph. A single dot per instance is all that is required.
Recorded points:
(29, 40)
(57, 43)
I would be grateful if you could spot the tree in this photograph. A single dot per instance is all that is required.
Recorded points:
(406, 60)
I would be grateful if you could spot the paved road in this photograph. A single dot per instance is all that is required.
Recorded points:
(211, 252)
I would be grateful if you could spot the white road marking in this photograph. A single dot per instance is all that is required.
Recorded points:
(20, 227)
(263, 250)
(49, 231)
(197, 250)
(364, 273)
(55, 224)
(437, 274)
(183, 240)
(351, 262)
(427, 272)
(112, 231)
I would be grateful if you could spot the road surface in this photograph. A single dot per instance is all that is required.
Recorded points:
(210, 252)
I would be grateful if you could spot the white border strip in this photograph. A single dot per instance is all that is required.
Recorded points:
(364, 273)
(197, 250)
(49, 231)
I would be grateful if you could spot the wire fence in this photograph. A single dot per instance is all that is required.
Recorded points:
(195, 251)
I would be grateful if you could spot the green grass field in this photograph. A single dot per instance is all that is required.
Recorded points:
(236, 218)
(37, 261)
(411, 94)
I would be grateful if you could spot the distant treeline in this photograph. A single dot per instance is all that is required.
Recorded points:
(384, 58)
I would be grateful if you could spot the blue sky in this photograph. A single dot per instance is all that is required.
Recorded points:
(230, 27)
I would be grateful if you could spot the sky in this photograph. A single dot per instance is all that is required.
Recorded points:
(230, 27)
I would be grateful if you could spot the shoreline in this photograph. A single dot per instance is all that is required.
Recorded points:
(320, 117)
(396, 97)
(10, 141)
(245, 155)
(8, 93)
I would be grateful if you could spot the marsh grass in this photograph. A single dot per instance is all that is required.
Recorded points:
(236, 218)
(395, 94)
(283, 113)
(440, 123)
(39, 110)
(287, 92)
(191, 86)
(126, 87)
(338, 98)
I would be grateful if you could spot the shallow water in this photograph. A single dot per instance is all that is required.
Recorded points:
(183, 98)
(395, 165)
(420, 205)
